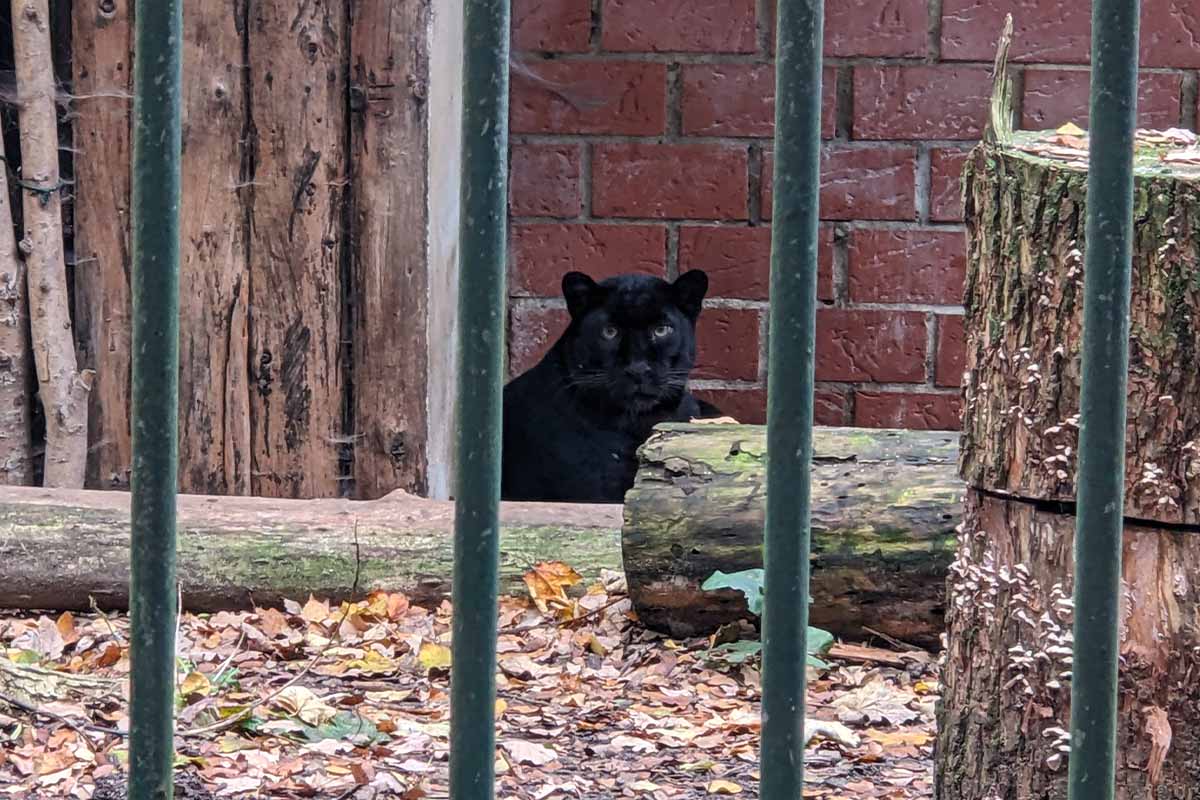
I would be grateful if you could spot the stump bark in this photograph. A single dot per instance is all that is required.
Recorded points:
(1005, 709)
(885, 506)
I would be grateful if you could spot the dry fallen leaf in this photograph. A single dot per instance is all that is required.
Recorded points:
(724, 787)
(433, 656)
(526, 752)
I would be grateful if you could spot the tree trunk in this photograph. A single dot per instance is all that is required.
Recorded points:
(1006, 696)
(62, 387)
(885, 505)
(15, 417)
(1005, 710)
(389, 81)
(1024, 310)
(61, 548)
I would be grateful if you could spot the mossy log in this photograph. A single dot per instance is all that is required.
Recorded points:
(884, 509)
(1024, 305)
(1005, 706)
(59, 548)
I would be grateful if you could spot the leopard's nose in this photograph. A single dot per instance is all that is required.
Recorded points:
(638, 370)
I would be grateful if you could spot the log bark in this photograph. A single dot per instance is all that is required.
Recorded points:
(214, 380)
(885, 505)
(60, 548)
(1025, 228)
(1006, 693)
(102, 72)
(388, 150)
(15, 412)
(297, 56)
(62, 387)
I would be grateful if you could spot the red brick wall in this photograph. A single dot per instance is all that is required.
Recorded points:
(641, 141)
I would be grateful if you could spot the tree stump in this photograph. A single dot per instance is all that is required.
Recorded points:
(1005, 709)
(885, 506)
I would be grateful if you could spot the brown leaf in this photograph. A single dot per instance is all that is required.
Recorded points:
(548, 580)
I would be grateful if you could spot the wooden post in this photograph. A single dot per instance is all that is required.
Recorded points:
(214, 380)
(102, 63)
(388, 85)
(15, 416)
(62, 387)
(298, 141)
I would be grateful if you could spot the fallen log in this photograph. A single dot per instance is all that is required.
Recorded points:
(60, 547)
(885, 505)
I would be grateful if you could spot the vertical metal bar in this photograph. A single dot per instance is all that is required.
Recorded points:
(481, 315)
(790, 393)
(1100, 504)
(157, 78)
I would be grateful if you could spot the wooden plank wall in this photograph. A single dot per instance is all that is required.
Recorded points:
(304, 284)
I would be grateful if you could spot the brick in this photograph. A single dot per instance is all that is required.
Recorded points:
(937, 412)
(862, 345)
(543, 253)
(532, 331)
(870, 29)
(951, 351)
(1056, 32)
(907, 265)
(739, 100)
(872, 182)
(544, 180)
(559, 26)
(1042, 31)
(945, 184)
(670, 181)
(738, 260)
(597, 97)
(1054, 97)
(877, 28)
(689, 26)
(727, 345)
(1167, 34)
(749, 406)
(920, 102)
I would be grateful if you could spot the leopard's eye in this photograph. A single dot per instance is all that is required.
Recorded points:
(662, 331)
(609, 332)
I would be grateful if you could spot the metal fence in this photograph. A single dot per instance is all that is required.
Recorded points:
(156, 182)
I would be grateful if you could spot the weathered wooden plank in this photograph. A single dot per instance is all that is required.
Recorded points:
(103, 67)
(214, 382)
(389, 76)
(297, 95)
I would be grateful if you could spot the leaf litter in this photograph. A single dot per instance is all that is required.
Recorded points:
(350, 701)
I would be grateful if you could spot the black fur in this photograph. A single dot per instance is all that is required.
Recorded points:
(573, 423)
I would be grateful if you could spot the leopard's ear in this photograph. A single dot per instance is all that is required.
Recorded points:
(689, 289)
(579, 291)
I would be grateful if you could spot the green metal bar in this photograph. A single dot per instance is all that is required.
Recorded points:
(790, 393)
(157, 79)
(1109, 238)
(481, 315)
